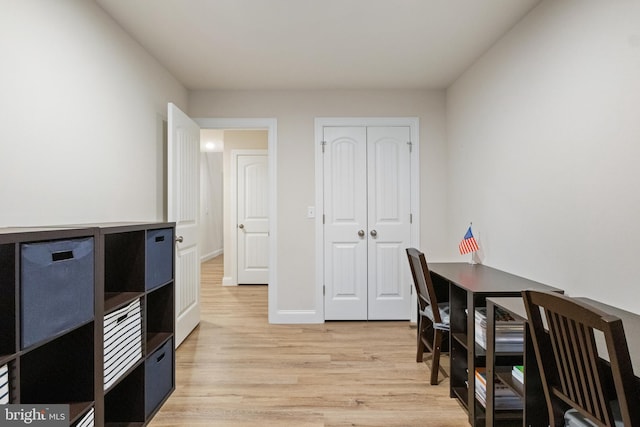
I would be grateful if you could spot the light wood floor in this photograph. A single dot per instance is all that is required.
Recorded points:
(236, 369)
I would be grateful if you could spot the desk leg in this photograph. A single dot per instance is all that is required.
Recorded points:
(535, 406)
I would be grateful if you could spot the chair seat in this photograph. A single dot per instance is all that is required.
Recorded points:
(443, 307)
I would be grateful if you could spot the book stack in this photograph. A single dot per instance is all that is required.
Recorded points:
(504, 397)
(509, 332)
(518, 373)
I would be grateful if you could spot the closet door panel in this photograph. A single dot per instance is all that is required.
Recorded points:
(389, 209)
(345, 209)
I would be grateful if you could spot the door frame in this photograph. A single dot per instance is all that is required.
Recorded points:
(271, 125)
(234, 200)
(320, 122)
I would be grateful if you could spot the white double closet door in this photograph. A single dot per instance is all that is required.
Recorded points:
(367, 223)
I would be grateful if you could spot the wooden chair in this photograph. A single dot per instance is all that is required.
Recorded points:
(576, 381)
(433, 318)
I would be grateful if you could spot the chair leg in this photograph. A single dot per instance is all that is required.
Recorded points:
(420, 346)
(435, 358)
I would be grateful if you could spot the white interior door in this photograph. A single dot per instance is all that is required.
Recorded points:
(345, 229)
(367, 207)
(253, 218)
(389, 216)
(183, 197)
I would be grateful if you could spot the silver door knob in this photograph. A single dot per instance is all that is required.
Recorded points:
(361, 233)
(241, 226)
(373, 233)
(179, 239)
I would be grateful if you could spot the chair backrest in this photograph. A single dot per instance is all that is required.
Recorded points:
(571, 369)
(423, 284)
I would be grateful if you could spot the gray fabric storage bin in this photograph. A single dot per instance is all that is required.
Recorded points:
(159, 259)
(158, 376)
(56, 287)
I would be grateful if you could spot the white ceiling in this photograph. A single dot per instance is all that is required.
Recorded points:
(316, 44)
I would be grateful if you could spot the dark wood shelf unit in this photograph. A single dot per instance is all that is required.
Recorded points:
(462, 394)
(8, 301)
(123, 260)
(501, 364)
(124, 403)
(156, 339)
(505, 376)
(469, 285)
(77, 409)
(124, 375)
(60, 371)
(115, 300)
(126, 252)
(501, 418)
(67, 366)
(160, 319)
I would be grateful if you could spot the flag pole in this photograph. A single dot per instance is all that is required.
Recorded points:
(471, 261)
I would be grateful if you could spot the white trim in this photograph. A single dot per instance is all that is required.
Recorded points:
(211, 255)
(271, 125)
(234, 200)
(320, 122)
(297, 317)
(228, 281)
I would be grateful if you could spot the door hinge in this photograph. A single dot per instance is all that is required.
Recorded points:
(322, 219)
(410, 289)
(323, 143)
(410, 218)
(410, 144)
(323, 290)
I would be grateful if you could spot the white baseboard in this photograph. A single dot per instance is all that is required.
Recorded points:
(296, 316)
(211, 255)
(228, 281)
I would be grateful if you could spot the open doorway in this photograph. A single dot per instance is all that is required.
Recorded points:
(234, 202)
(239, 129)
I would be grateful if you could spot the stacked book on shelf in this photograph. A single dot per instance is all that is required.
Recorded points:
(518, 373)
(505, 399)
(509, 333)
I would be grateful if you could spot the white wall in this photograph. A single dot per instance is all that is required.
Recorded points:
(82, 110)
(543, 146)
(295, 112)
(211, 205)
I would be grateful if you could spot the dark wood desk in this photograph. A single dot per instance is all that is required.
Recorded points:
(469, 285)
(535, 411)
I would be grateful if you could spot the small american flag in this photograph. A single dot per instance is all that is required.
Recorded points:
(468, 243)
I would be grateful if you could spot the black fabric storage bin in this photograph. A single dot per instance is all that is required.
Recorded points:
(56, 287)
(159, 259)
(158, 377)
